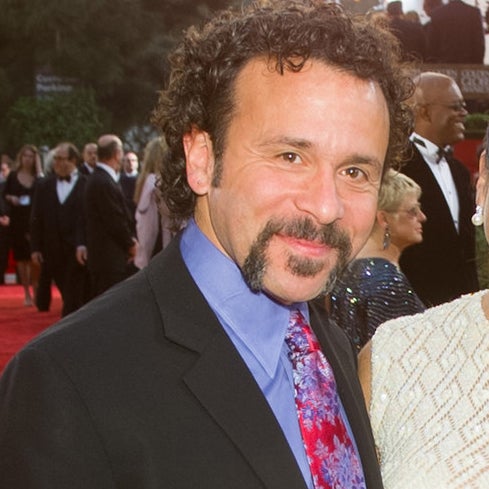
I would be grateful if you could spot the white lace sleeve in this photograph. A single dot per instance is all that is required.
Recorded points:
(430, 398)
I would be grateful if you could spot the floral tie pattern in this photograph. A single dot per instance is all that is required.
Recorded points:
(332, 457)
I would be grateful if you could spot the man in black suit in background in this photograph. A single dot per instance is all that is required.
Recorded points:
(279, 120)
(110, 230)
(411, 35)
(129, 176)
(443, 266)
(5, 234)
(456, 34)
(89, 156)
(56, 222)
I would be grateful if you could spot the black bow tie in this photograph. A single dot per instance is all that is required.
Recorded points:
(419, 141)
(67, 178)
(446, 153)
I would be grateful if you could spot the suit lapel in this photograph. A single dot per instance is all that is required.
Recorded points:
(51, 198)
(220, 380)
(425, 178)
(225, 387)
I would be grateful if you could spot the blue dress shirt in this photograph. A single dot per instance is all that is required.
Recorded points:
(256, 325)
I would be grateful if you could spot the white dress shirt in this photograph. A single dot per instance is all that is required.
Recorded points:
(441, 172)
(64, 188)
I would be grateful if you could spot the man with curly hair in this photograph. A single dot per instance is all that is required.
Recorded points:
(279, 119)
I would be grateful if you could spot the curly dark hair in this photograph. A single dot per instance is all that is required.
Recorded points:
(287, 34)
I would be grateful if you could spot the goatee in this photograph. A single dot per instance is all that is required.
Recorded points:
(255, 264)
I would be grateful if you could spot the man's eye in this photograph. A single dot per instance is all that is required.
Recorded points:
(355, 173)
(291, 158)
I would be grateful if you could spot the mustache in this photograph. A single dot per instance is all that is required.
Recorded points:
(304, 228)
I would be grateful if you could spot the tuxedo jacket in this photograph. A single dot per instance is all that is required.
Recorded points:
(142, 388)
(128, 185)
(4, 207)
(456, 34)
(51, 228)
(82, 168)
(443, 266)
(109, 224)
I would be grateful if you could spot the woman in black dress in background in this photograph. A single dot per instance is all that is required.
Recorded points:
(18, 192)
(373, 289)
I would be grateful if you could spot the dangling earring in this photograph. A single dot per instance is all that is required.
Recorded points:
(387, 238)
(478, 217)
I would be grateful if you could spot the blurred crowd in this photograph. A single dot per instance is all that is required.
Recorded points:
(84, 220)
(455, 31)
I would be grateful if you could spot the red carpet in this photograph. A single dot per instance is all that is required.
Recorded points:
(18, 324)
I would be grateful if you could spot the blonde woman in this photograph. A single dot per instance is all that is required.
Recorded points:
(152, 221)
(18, 192)
(373, 288)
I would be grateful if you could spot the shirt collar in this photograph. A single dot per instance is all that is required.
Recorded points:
(429, 151)
(73, 178)
(109, 170)
(88, 167)
(258, 321)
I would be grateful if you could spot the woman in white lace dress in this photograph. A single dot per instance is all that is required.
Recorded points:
(426, 383)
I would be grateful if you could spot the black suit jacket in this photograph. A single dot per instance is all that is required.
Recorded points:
(109, 225)
(412, 38)
(443, 266)
(142, 388)
(48, 234)
(128, 185)
(4, 206)
(456, 34)
(82, 168)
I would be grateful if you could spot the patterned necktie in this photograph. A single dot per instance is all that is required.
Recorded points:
(332, 457)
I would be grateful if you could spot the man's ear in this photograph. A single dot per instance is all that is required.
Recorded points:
(199, 157)
(424, 112)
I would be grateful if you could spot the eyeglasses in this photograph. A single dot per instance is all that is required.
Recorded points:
(456, 106)
(413, 213)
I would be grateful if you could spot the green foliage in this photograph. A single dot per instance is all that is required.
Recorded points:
(475, 125)
(117, 47)
(46, 121)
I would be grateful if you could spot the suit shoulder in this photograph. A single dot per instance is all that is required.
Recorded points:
(123, 315)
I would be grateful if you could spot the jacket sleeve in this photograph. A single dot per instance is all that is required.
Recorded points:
(37, 218)
(47, 438)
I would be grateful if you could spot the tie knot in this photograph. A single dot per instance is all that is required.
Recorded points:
(443, 153)
(300, 338)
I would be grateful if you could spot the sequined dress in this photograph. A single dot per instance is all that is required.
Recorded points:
(368, 293)
(430, 398)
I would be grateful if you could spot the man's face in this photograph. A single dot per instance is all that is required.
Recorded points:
(448, 112)
(130, 162)
(62, 165)
(302, 167)
(90, 154)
